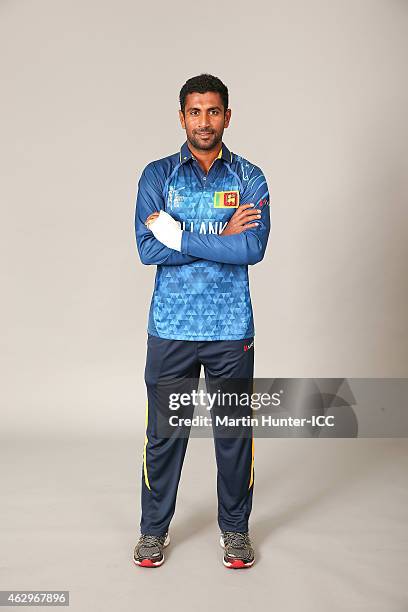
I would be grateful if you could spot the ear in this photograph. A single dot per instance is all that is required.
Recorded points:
(181, 117)
(227, 117)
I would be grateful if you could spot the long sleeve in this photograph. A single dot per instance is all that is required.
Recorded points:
(246, 248)
(150, 199)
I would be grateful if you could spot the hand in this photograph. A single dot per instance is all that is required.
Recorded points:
(165, 215)
(166, 229)
(151, 218)
(244, 214)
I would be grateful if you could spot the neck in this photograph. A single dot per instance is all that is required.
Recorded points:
(205, 158)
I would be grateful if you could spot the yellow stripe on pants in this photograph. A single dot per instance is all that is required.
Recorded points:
(146, 478)
(252, 464)
(251, 480)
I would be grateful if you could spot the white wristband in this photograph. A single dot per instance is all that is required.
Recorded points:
(167, 231)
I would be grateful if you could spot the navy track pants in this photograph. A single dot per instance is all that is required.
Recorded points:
(181, 360)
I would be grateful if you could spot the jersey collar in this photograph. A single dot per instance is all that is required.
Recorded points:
(186, 154)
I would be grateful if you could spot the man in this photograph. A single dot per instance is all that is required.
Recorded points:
(202, 216)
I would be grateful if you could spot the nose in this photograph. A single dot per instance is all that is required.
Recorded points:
(204, 122)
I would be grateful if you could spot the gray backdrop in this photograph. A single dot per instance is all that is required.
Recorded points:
(89, 96)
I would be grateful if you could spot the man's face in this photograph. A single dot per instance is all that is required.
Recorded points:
(204, 119)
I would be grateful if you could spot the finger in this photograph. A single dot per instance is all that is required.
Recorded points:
(152, 217)
(244, 207)
(251, 214)
(250, 225)
(246, 219)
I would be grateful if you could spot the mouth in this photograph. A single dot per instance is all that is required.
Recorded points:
(205, 134)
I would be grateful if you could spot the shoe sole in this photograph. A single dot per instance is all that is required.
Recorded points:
(150, 562)
(238, 563)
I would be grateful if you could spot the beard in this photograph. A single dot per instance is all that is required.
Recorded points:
(204, 144)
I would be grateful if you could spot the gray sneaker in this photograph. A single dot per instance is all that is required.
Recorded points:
(149, 550)
(238, 551)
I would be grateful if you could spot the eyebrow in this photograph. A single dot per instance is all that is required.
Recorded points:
(211, 108)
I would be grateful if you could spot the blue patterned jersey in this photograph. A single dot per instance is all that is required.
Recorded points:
(202, 292)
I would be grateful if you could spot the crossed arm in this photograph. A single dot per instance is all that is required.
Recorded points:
(150, 200)
(244, 248)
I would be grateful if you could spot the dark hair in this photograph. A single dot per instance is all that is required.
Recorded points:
(201, 84)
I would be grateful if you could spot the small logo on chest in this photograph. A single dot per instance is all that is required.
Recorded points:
(174, 198)
(226, 199)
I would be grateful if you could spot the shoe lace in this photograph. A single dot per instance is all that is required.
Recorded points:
(236, 539)
(151, 540)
